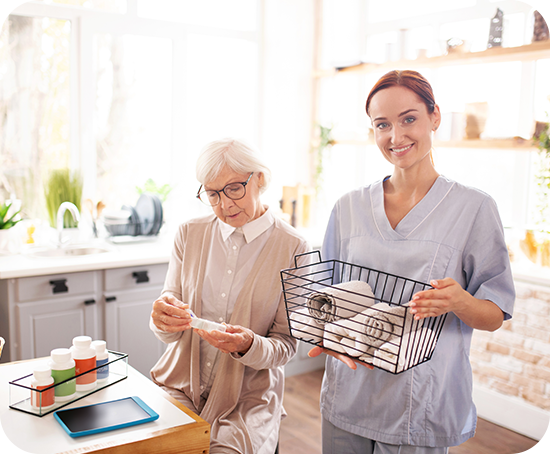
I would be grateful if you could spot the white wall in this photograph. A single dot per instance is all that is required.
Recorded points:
(287, 90)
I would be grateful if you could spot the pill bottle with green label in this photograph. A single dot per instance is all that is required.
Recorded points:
(63, 368)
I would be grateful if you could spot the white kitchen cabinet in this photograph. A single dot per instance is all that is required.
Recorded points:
(45, 325)
(129, 294)
(40, 313)
(302, 363)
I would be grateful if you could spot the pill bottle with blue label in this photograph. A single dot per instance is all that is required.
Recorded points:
(63, 368)
(102, 360)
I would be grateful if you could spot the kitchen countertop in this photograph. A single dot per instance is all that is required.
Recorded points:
(154, 250)
(148, 252)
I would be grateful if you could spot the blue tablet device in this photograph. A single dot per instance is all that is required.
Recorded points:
(105, 416)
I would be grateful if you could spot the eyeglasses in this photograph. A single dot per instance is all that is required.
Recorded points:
(234, 191)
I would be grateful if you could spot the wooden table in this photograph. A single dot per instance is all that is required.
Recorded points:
(178, 430)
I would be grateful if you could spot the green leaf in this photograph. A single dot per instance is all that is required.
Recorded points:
(7, 223)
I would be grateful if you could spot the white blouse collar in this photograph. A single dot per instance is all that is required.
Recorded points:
(251, 230)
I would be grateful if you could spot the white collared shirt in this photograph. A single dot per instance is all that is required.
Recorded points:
(233, 253)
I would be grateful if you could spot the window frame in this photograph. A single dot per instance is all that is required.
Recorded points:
(85, 23)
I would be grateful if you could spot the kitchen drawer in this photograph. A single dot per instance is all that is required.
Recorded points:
(135, 276)
(55, 286)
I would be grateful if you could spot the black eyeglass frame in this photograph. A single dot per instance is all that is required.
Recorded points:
(223, 190)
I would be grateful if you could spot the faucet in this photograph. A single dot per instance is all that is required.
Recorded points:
(71, 207)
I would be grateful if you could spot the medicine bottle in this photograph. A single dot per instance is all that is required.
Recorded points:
(42, 378)
(102, 358)
(63, 368)
(84, 357)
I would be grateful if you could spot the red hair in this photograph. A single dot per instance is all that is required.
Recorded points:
(412, 80)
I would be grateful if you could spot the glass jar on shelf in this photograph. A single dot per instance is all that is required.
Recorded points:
(541, 21)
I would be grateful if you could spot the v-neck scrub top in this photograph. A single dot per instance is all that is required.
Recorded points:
(454, 231)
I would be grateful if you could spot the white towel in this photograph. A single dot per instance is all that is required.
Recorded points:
(415, 346)
(384, 322)
(304, 326)
(347, 336)
(343, 300)
(362, 334)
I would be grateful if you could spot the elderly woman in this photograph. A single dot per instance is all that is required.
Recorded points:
(225, 268)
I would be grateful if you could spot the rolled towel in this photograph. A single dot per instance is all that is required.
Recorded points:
(340, 301)
(361, 335)
(415, 346)
(347, 336)
(333, 340)
(304, 326)
(384, 322)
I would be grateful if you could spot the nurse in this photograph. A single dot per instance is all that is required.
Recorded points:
(420, 225)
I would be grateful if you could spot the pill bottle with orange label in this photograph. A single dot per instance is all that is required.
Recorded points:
(42, 379)
(85, 360)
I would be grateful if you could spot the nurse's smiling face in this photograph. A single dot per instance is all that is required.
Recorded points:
(403, 126)
(237, 213)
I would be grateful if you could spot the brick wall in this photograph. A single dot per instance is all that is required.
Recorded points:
(515, 360)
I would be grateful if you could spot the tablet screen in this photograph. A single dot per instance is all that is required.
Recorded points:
(103, 416)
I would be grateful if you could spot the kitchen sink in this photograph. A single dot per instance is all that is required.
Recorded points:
(68, 251)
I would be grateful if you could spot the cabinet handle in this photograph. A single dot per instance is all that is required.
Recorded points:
(110, 299)
(89, 302)
(140, 276)
(59, 286)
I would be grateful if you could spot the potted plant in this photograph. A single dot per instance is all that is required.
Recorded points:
(323, 143)
(63, 186)
(538, 249)
(7, 221)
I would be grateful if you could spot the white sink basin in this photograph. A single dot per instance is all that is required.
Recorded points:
(68, 251)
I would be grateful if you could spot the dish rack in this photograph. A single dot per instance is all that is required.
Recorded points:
(359, 312)
(21, 391)
(143, 219)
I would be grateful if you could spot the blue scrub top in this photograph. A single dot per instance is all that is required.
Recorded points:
(454, 231)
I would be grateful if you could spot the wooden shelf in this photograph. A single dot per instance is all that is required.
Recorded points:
(513, 143)
(528, 52)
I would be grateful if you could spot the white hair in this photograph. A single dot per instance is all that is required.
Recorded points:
(234, 154)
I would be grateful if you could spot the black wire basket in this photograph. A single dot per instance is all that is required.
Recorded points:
(359, 312)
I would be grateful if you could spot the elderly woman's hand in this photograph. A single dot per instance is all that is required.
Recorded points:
(236, 339)
(170, 315)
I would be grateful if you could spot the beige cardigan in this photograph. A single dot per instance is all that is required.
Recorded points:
(244, 407)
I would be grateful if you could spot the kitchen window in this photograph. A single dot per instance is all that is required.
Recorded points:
(35, 104)
(124, 91)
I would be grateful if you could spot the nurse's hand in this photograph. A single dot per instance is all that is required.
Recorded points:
(352, 364)
(170, 315)
(448, 296)
(235, 339)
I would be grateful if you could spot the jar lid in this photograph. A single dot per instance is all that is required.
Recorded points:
(61, 355)
(99, 345)
(82, 341)
(42, 372)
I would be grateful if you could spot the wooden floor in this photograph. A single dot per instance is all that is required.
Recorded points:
(301, 429)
